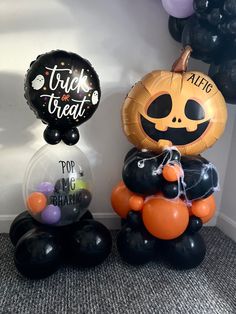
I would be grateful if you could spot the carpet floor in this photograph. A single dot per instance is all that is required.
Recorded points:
(115, 287)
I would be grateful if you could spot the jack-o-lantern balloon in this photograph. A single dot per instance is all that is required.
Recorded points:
(177, 108)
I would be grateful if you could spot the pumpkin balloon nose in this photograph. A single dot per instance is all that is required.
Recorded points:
(175, 120)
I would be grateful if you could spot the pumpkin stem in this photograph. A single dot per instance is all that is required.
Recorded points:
(181, 63)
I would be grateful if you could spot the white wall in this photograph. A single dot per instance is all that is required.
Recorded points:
(123, 40)
(227, 216)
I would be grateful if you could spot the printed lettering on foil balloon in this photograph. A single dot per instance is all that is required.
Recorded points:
(63, 90)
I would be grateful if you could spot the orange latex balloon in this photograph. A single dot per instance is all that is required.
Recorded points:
(36, 202)
(136, 202)
(204, 209)
(120, 199)
(164, 218)
(172, 172)
(200, 208)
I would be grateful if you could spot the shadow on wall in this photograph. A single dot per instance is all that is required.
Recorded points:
(15, 115)
(23, 16)
(122, 30)
(101, 139)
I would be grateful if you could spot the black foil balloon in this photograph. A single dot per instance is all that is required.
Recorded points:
(37, 254)
(135, 245)
(176, 27)
(194, 225)
(63, 90)
(200, 177)
(21, 225)
(141, 176)
(224, 75)
(185, 252)
(205, 41)
(89, 243)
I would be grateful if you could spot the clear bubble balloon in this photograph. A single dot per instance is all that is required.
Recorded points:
(58, 183)
(178, 8)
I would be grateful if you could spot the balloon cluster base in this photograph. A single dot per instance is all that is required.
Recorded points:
(40, 250)
(137, 246)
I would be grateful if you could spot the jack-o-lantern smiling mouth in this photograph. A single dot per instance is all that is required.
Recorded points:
(178, 136)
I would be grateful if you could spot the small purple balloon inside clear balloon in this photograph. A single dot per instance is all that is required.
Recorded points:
(45, 188)
(51, 215)
(178, 8)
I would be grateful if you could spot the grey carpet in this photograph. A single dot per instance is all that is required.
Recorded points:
(115, 287)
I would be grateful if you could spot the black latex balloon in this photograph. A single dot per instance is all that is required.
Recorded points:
(37, 254)
(131, 153)
(223, 74)
(134, 218)
(83, 197)
(176, 27)
(229, 8)
(87, 215)
(185, 252)
(71, 136)
(80, 198)
(200, 177)
(205, 41)
(170, 190)
(72, 205)
(21, 225)
(52, 136)
(194, 225)
(62, 186)
(173, 154)
(206, 10)
(71, 213)
(135, 245)
(141, 176)
(63, 90)
(89, 243)
(205, 6)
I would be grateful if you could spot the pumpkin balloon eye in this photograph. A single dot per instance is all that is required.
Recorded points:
(160, 107)
(194, 111)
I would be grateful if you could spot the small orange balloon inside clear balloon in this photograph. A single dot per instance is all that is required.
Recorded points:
(36, 202)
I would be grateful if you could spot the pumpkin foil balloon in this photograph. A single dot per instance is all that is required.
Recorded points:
(174, 108)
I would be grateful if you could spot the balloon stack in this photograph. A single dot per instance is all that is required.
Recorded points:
(208, 26)
(63, 90)
(166, 194)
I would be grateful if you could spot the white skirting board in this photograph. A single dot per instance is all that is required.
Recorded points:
(110, 220)
(227, 225)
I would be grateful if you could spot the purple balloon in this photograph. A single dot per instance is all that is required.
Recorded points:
(51, 215)
(178, 8)
(45, 188)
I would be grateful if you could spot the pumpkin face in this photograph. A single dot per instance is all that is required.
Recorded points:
(165, 109)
